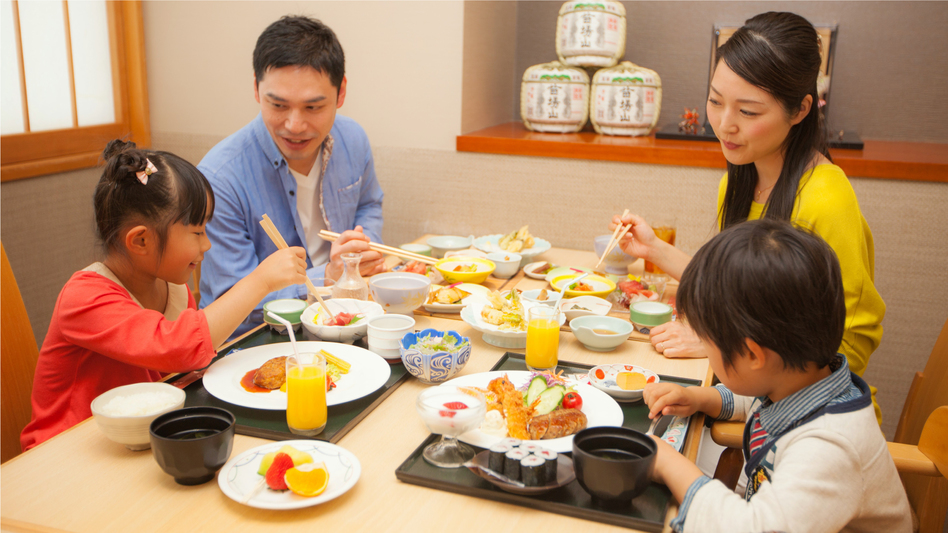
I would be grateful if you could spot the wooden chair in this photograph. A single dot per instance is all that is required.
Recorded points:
(19, 353)
(196, 287)
(925, 482)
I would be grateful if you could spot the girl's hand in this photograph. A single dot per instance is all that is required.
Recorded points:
(669, 399)
(638, 241)
(676, 340)
(283, 268)
(349, 242)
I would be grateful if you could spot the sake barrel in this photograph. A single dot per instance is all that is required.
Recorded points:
(626, 100)
(590, 34)
(554, 98)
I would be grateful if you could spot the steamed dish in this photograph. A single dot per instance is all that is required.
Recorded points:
(516, 241)
(139, 404)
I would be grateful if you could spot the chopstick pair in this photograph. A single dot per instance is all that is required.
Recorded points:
(383, 249)
(617, 235)
(280, 243)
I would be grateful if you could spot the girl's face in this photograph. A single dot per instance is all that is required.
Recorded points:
(750, 123)
(185, 248)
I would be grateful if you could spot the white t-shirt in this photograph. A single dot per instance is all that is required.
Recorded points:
(311, 216)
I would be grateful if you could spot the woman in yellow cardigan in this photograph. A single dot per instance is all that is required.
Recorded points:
(763, 106)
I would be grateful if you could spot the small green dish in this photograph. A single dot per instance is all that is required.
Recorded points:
(289, 309)
(646, 315)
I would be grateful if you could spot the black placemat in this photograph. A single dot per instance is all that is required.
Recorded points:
(646, 512)
(270, 424)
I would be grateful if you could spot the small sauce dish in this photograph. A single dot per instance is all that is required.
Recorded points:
(600, 333)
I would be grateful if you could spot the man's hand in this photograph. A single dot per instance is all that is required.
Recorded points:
(675, 340)
(354, 241)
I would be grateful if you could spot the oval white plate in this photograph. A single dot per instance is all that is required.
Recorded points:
(472, 288)
(222, 379)
(239, 476)
(600, 409)
(528, 270)
(608, 384)
(493, 335)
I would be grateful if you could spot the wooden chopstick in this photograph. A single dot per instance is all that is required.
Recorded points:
(270, 228)
(615, 238)
(383, 249)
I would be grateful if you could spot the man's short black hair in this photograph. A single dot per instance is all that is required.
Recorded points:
(771, 282)
(300, 41)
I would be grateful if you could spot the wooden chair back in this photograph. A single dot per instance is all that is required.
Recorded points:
(19, 353)
(196, 284)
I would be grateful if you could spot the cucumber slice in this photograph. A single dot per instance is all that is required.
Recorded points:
(537, 386)
(550, 399)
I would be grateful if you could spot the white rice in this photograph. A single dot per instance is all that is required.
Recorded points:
(139, 404)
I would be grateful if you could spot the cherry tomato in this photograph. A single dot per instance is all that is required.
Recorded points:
(572, 400)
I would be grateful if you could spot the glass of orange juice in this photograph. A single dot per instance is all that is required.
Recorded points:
(543, 337)
(306, 393)
(664, 230)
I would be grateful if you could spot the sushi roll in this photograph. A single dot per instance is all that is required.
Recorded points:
(495, 457)
(512, 442)
(533, 471)
(512, 463)
(530, 447)
(551, 461)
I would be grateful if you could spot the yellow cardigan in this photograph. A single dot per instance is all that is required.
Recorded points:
(827, 205)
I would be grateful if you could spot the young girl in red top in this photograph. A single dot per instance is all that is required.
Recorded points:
(132, 317)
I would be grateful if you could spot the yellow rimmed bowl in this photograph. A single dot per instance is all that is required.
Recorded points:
(446, 268)
(601, 286)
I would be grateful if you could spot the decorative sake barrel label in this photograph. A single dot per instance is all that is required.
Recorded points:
(555, 102)
(625, 105)
(591, 33)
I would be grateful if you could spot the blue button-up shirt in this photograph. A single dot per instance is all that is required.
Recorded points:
(250, 177)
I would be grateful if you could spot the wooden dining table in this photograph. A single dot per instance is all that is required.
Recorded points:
(80, 481)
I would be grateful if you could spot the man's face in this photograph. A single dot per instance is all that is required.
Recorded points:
(298, 106)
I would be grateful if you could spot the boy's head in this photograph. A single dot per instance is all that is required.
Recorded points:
(770, 282)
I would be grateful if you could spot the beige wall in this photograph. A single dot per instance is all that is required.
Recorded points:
(430, 188)
(489, 36)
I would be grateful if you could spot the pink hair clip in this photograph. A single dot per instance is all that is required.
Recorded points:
(149, 170)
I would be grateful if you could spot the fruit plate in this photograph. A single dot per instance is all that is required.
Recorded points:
(564, 476)
(238, 478)
(599, 407)
(472, 288)
(369, 372)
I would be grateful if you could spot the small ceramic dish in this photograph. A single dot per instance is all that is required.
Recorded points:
(399, 292)
(467, 252)
(507, 264)
(434, 307)
(132, 430)
(604, 378)
(613, 464)
(289, 309)
(437, 367)
(532, 271)
(533, 295)
(617, 262)
(421, 249)
(584, 306)
(345, 334)
(564, 475)
(601, 286)
(445, 243)
(647, 314)
(447, 268)
(600, 333)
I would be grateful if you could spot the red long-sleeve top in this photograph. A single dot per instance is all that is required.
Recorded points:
(100, 338)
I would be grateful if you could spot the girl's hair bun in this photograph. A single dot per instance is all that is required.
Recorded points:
(124, 158)
(116, 147)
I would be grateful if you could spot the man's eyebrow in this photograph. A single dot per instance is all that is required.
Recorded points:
(742, 100)
(310, 101)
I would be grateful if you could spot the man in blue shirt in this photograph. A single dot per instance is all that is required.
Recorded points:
(298, 162)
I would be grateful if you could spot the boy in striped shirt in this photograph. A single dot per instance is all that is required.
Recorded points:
(767, 300)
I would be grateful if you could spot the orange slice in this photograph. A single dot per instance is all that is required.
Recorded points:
(310, 479)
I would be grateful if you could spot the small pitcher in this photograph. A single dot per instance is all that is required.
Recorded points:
(351, 284)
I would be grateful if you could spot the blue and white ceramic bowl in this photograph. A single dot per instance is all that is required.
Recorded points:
(438, 367)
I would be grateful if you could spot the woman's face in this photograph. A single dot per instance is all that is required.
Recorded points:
(750, 123)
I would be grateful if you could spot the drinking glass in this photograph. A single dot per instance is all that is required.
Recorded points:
(306, 394)
(450, 412)
(664, 230)
(543, 338)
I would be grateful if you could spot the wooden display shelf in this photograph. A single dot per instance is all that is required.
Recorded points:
(879, 159)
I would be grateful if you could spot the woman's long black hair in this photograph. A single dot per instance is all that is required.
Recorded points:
(780, 53)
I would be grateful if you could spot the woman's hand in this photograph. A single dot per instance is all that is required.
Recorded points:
(676, 340)
(351, 242)
(282, 268)
(638, 241)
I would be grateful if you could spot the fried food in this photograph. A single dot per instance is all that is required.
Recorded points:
(272, 374)
(515, 412)
(448, 296)
(505, 311)
(516, 241)
(556, 424)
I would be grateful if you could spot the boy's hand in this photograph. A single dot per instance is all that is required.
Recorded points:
(283, 268)
(669, 399)
(354, 241)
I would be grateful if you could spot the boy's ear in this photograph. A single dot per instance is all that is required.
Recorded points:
(757, 356)
(138, 240)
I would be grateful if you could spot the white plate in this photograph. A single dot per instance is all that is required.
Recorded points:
(488, 244)
(472, 288)
(222, 379)
(600, 409)
(528, 270)
(239, 476)
(562, 271)
(607, 383)
(493, 335)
